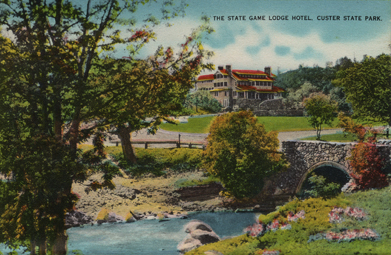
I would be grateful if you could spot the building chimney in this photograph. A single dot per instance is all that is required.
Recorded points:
(228, 68)
(221, 68)
(268, 70)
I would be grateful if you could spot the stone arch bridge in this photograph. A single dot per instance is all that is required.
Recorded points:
(306, 156)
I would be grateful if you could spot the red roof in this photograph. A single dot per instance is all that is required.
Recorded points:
(249, 71)
(274, 89)
(225, 72)
(206, 77)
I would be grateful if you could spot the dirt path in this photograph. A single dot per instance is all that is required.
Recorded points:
(191, 137)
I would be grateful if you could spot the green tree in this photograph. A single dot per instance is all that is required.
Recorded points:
(241, 153)
(295, 97)
(367, 87)
(320, 110)
(204, 100)
(48, 91)
(321, 187)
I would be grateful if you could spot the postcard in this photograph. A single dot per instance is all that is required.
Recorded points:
(214, 123)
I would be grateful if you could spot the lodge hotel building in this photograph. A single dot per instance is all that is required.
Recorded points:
(228, 86)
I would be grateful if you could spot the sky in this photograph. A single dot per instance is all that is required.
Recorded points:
(280, 41)
(274, 38)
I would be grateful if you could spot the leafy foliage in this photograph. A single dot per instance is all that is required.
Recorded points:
(58, 89)
(367, 87)
(352, 127)
(320, 110)
(295, 97)
(204, 100)
(295, 241)
(241, 153)
(320, 187)
(317, 76)
(156, 160)
(367, 166)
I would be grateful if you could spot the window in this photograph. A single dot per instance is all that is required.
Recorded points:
(216, 93)
(225, 84)
(225, 93)
(251, 95)
(214, 84)
(241, 94)
(234, 93)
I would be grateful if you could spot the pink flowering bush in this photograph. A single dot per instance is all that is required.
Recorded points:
(270, 252)
(295, 217)
(273, 225)
(347, 235)
(335, 216)
(255, 230)
(258, 229)
(352, 234)
(356, 213)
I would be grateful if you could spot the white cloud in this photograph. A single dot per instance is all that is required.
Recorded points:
(236, 54)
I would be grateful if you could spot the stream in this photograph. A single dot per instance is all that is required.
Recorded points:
(149, 236)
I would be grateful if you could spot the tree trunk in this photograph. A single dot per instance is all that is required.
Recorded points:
(60, 244)
(42, 247)
(127, 148)
(32, 247)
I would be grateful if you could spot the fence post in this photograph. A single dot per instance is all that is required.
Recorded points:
(387, 132)
(146, 145)
(179, 141)
(189, 145)
(116, 143)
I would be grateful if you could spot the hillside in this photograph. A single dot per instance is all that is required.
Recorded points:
(327, 228)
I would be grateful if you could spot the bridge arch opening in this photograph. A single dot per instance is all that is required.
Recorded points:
(333, 172)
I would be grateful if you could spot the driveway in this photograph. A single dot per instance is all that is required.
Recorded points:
(191, 137)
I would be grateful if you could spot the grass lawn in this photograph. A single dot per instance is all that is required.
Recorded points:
(272, 123)
(283, 123)
(334, 138)
(339, 137)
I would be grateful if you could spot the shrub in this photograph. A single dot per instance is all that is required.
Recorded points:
(320, 187)
(202, 99)
(156, 160)
(367, 166)
(241, 153)
(320, 109)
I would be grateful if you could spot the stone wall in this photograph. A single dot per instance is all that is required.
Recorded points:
(272, 104)
(305, 156)
(272, 107)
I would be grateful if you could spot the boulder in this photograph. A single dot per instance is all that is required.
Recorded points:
(188, 244)
(200, 233)
(205, 236)
(114, 218)
(197, 224)
(77, 218)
